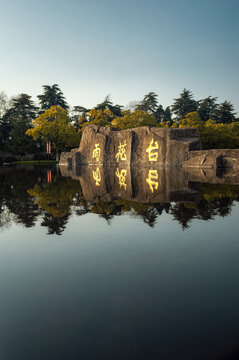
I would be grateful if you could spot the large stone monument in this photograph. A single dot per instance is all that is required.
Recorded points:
(158, 147)
(146, 164)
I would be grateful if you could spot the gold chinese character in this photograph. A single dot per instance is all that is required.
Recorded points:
(151, 180)
(96, 176)
(121, 152)
(96, 153)
(121, 176)
(153, 156)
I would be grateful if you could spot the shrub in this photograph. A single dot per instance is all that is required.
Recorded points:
(42, 157)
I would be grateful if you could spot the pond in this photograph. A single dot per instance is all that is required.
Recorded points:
(118, 264)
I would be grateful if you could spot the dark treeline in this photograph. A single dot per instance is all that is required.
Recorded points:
(21, 113)
(27, 197)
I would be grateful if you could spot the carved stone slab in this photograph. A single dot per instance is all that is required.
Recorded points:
(139, 146)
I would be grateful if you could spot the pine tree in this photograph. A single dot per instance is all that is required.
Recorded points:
(225, 113)
(184, 104)
(15, 122)
(159, 113)
(149, 103)
(107, 104)
(52, 96)
(167, 116)
(22, 107)
(207, 108)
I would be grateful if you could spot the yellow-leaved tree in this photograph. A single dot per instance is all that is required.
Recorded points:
(213, 135)
(96, 117)
(135, 119)
(192, 119)
(54, 125)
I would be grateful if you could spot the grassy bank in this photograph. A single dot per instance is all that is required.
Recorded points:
(35, 162)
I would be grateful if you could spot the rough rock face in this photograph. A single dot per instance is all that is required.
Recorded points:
(138, 146)
(69, 158)
(212, 159)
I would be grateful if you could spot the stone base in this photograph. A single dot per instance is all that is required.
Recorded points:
(213, 159)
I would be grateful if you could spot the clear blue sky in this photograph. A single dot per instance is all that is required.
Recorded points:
(125, 48)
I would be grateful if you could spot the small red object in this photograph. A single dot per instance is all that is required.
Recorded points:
(49, 176)
(48, 147)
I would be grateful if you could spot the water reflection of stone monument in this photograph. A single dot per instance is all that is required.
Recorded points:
(140, 184)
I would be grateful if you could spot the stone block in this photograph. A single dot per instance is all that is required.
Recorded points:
(92, 146)
(149, 146)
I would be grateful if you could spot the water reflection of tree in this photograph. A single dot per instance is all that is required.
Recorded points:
(214, 200)
(81, 207)
(25, 196)
(151, 213)
(147, 212)
(14, 196)
(56, 199)
(54, 225)
(183, 214)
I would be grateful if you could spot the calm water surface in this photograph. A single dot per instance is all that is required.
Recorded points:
(90, 279)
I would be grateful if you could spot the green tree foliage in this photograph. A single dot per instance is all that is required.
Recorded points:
(79, 116)
(3, 103)
(54, 125)
(5, 128)
(213, 135)
(15, 122)
(18, 143)
(96, 117)
(149, 103)
(52, 96)
(184, 104)
(14, 196)
(23, 107)
(4, 123)
(101, 115)
(192, 119)
(225, 113)
(80, 111)
(107, 104)
(167, 116)
(135, 119)
(159, 114)
(207, 108)
(220, 136)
